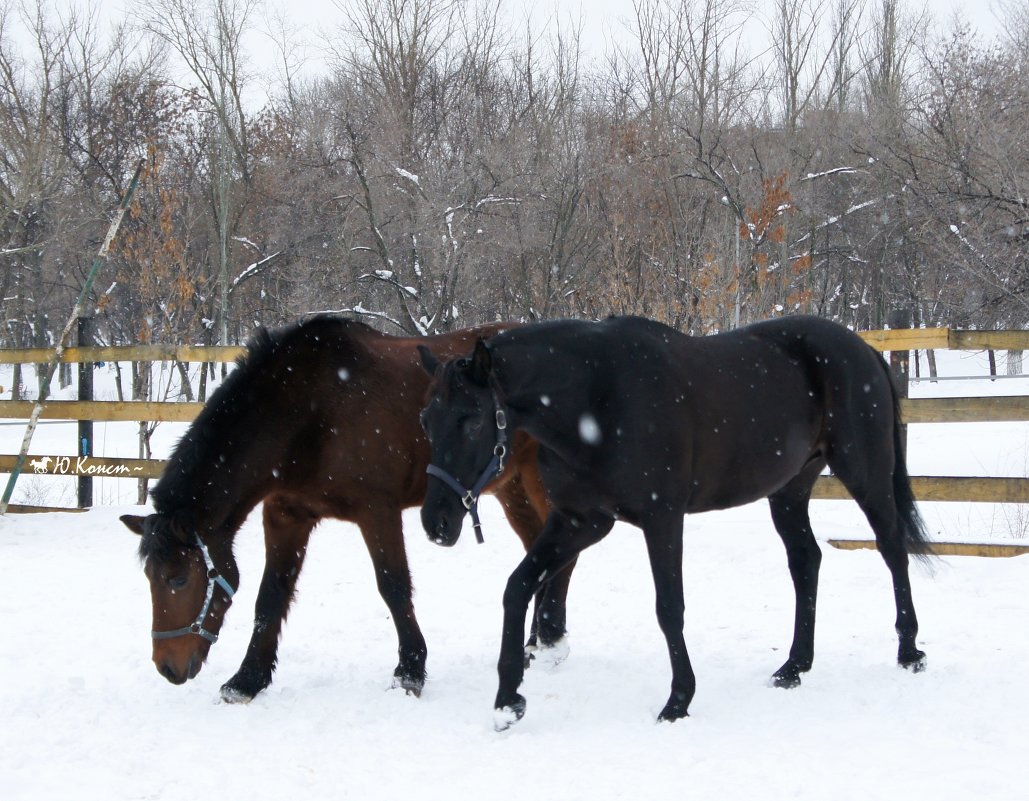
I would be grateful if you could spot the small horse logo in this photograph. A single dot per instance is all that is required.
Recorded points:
(40, 465)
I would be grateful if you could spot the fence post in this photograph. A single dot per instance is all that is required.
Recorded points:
(900, 364)
(85, 431)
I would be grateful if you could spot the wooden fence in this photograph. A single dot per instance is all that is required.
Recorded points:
(930, 410)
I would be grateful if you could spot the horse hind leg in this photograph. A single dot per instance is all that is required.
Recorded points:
(874, 490)
(287, 530)
(885, 521)
(789, 507)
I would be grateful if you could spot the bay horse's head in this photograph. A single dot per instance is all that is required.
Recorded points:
(189, 590)
(467, 433)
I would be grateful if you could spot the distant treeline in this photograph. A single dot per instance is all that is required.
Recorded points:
(450, 169)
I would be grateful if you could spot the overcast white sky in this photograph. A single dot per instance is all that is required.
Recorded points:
(603, 19)
(600, 19)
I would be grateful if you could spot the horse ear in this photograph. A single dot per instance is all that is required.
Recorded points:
(134, 523)
(482, 362)
(429, 360)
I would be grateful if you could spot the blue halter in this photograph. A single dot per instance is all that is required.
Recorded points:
(470, 497)
(197, 626)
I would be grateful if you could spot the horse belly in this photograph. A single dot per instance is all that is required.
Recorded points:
(750, 467)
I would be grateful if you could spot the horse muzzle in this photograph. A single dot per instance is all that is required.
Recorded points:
(179, 671)
(441, 527)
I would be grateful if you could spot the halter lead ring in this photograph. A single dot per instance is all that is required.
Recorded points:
(470, 497)
(197, 626)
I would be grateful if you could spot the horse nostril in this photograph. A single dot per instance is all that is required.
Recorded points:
(169, 673)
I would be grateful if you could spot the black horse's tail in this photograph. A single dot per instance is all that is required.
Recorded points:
(912, 527)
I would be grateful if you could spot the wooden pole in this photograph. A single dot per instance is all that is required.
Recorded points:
(900, 364)
(85, 443)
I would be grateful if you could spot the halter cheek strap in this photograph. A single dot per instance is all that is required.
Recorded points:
(197, 626)
(470, 497)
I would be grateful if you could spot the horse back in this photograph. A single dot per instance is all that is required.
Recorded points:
(703, 422)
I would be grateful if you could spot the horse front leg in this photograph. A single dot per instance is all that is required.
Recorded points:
(664, 548)
(383, 533)
(560, 543)
(526, 511)
(287, 530)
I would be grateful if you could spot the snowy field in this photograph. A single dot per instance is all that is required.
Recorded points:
(86, 716)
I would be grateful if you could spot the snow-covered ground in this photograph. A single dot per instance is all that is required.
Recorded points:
(84, 714)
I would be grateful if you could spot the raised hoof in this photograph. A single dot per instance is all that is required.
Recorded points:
(916, 662)
(504, 717)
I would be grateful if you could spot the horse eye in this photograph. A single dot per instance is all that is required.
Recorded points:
(472, 427)
(177, 582)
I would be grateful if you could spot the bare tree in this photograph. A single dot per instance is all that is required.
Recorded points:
(208, 35)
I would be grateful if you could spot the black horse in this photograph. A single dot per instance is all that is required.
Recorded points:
(318, 420)
(640, 423)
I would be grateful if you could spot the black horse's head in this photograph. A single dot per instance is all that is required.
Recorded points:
(466, 433)
(190, 590)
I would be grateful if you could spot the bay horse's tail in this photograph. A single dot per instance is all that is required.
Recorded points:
(912, 527)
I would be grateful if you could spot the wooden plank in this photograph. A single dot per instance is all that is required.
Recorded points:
(907, 339)
(22, 509)
(966, 410)
(943, 488)
(898, 339)
(944, 548)
(109, 411)
(989, 340)
(945, 339)
(96, 466)
(125, 353)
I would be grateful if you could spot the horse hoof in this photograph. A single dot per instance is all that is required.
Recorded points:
(672, 713)
(916, 663)
(504, 717)
(786, 681)
(231, 695)
(547, 656)
(409, 684)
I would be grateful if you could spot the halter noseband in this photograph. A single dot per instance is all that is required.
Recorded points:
(197, 626)
(470, 497)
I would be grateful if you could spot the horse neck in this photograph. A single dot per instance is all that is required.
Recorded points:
(537, 401)
(219, 482)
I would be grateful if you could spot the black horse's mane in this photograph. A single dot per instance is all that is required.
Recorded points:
(177, 488)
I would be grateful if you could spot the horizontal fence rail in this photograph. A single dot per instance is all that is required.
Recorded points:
(919, 410)
(126, 353)
(1013, 409)
(106, 411)
(945, 339)
(889, 340)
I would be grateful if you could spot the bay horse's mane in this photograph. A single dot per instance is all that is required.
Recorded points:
(176, 491)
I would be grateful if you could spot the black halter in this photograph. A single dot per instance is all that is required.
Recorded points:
(214, 578)
(470, 497)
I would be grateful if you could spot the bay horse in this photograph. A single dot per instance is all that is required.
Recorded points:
(318, 420)
(638, 422)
